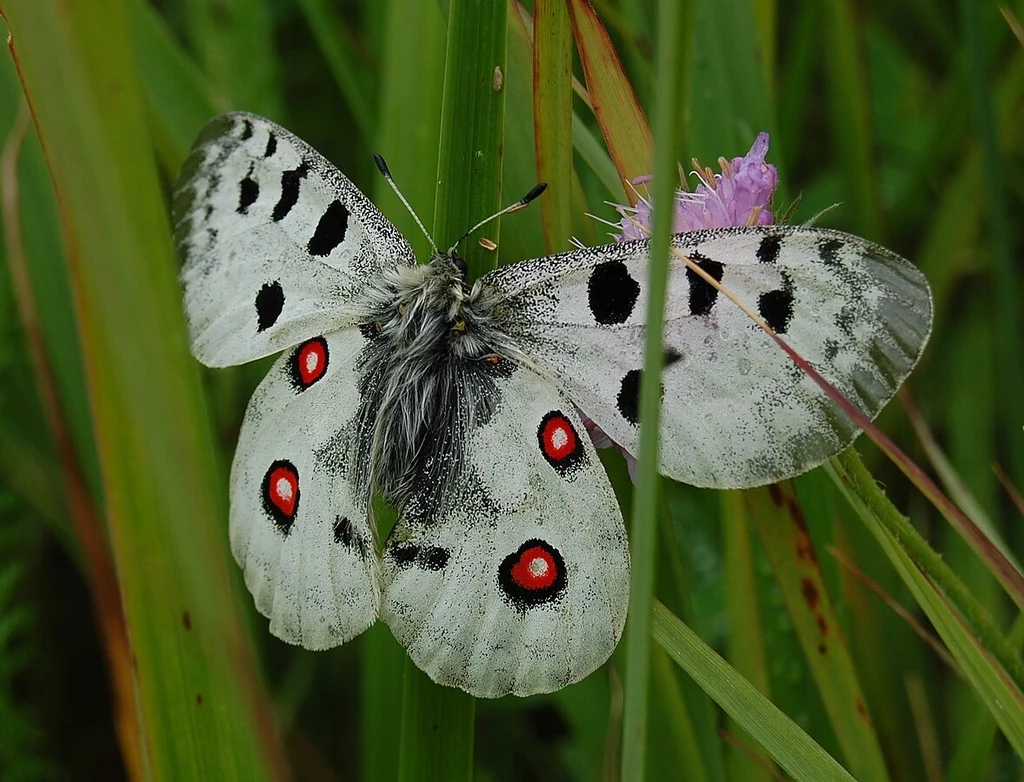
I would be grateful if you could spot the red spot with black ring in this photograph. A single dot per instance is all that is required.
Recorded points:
(280, 494)
(308, 363)
(532, 575)
(559, 443)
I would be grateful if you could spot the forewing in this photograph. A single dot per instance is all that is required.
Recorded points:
(518, 583)
(276, 243)
(299, 521)
(737, 411)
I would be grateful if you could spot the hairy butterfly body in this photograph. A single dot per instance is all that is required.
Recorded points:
(508, 568)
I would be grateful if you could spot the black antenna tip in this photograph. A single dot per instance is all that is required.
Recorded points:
(537, 190)
(382, 166)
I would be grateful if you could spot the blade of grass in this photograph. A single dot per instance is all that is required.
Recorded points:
(979, 656)
(472, 120)
(851, 113)
(727, 88)
(745, 643)
(203, 713)
(79, 503)
(616, 108)
(177, 96)
(341, 52)
(522, 236)
(667, 125)
(552, 117)
(780, 523)
(437, 722)
(1004, 268)
(792, 749)
(234, 45)
(595, 156)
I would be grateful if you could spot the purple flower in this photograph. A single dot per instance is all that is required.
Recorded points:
(740, 195)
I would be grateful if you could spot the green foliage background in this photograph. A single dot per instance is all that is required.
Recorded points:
(128, 645)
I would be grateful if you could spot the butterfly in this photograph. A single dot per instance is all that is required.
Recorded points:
(507, 570)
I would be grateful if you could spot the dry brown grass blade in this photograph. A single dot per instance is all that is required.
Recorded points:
(101, 578)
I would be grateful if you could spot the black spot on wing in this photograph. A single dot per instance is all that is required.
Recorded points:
(404, 556)
(612, 292)
(426, 558)
(271, 145)
(330, 231)
(768, 249)
(702, 294)
(248, 192)
(269, 303)
(828, 251)
(349, 537)
(776, 307)
(434, 558)
(628, 399)
(290, 181)
(246, 130)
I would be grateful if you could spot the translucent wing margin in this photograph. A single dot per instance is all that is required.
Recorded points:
(518, 583)
(299, 523)
(276, 244)
(737, 411)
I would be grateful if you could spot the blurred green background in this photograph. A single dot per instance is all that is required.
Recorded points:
(904, 120)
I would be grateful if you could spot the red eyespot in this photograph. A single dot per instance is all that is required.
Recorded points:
(559, 443)
(280, 492)
(532, 575)
(535, 569)
(308, 363)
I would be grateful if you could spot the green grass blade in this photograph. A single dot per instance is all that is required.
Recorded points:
(667, 124)
(552, 117)
(199, 696)
(745, 645)
(991, 683)
(1005, 266)
(437, 722)
(784, 535)
(791, 748)
(522, 236)
(341, 55)
(234, 45)
(850, 111)
(727, 87)
(595, 156)
(408, 128)
(177, 96)
(472, 121)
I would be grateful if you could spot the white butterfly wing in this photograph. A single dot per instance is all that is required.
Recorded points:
(275, 241)
(299, 525)
(519, 583)
(736, 411)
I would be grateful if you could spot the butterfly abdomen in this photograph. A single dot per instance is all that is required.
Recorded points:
(427, 378)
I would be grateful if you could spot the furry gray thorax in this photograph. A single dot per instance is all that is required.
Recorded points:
(428, 375)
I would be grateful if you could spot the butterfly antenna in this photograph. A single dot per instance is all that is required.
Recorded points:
(383, 167)
(522, 203)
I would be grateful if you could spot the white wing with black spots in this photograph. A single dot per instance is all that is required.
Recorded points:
(519, 582)
(299, 523)
(277, 245)
(737, 411)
